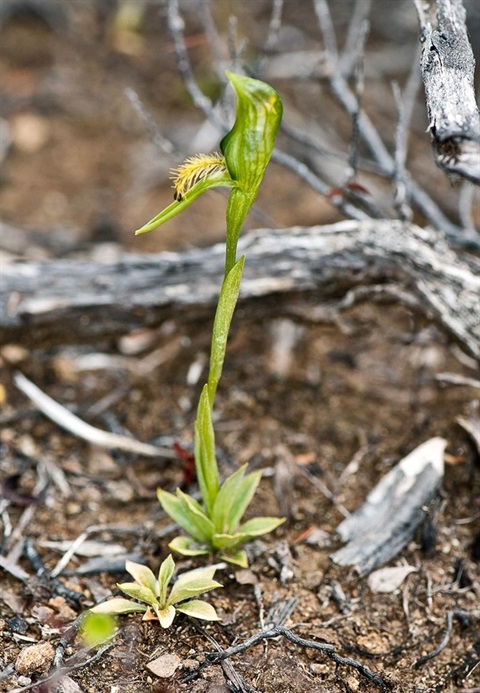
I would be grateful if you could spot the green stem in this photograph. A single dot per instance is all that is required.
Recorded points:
(239, 203)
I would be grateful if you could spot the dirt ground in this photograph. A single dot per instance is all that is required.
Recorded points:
(81, 173)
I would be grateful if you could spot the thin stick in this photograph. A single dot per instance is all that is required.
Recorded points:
(73, 424)
(176, 26)
(322, 10)
(355, 42)
(317, 184)
(359, 87)
(161, 142)
(272, 37)
(326, 648)
(213, 38)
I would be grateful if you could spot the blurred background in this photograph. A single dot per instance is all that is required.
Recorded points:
(94, 114)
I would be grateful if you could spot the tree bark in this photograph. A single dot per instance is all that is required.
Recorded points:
(448, 67)
(62, 302)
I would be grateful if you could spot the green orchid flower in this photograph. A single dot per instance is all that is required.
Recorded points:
(246, 151)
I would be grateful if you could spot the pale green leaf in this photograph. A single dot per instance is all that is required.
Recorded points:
(207, 572)
(186, 590)
(223, 501)
(136, 591)
(143, 575)
(197, 514)
(238, 558)
(226, 541)
(165, 573)
(179, 512)
(205, 460)
(199, 609)
(118, 605)
(241, 499)
(221, 326)
(187, 547)
(166, 616)
(260, 525)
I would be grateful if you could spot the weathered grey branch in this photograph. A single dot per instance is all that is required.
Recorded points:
(64, 302)
(448, 65)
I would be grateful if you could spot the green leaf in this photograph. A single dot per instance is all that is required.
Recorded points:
(187, 547)
(242, 499)
(207, 572)
(198, 609)
(260, 525)
(186, 590)
(178, 206)
(205, 461)
(179, 512)
(238, 558)
(197, 514)
(143, 575)
(224, 541)
(166, 616)
(165, 573)
(221, 326)
(117, 605)
(223, 501)
(136, 591)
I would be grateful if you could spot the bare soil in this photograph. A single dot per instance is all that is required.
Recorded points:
(300, 401)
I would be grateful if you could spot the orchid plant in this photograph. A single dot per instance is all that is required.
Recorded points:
(215, 525)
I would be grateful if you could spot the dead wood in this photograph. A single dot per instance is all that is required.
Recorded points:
(448, 66)
(61, 302)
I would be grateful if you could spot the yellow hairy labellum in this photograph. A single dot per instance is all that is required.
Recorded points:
(195, 169)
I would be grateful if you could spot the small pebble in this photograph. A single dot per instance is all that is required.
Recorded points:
(36, 658)
(165, 666)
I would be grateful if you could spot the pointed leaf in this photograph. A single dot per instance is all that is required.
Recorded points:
(207, 572)
(221, 326)
(223, 501)
(136, 591)
(164, 576)
(178, 206)
(187, 547)
(166, 616)
(242, 499)
(260, 525)
(199, 609)
(226, 541)
(197, 514)
(238, 558)
(117, 605)
(187, 590)
(143, 575)
(205, 460)
(178, 511)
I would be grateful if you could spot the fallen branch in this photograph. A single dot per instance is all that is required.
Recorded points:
(448, 66)
(71, 423)
(325, 648)
(43, 304)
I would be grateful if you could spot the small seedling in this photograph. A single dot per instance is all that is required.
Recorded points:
(157, 603)
(246, 150)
